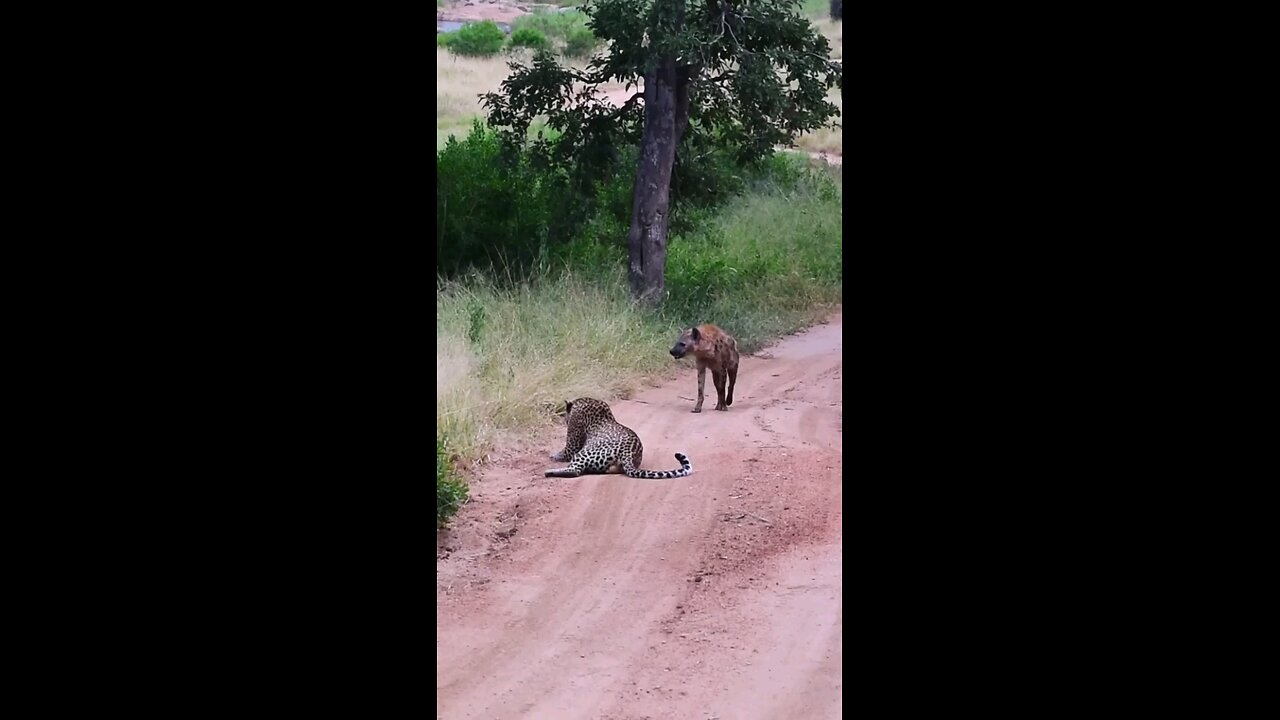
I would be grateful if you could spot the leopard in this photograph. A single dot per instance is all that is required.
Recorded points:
(599, 444)
(715, 349)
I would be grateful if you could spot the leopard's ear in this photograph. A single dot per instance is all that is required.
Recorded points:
(696, 335)
(568, 405)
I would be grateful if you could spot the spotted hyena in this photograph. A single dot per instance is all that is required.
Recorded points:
(714, 349)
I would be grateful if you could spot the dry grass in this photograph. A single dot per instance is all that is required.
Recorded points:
(505, 358)
(834, 31)
(460, 81)
(828, 139)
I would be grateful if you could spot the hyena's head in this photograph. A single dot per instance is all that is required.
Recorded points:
(686, 343)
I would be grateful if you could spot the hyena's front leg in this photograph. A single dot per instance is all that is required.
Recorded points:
(702, 383)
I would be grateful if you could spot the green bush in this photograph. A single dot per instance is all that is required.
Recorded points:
(704, 175)
(566, 31)
(555, 25)
(443, 39)
(492, 209)
(530, 38)
(580, 43)
(482, 38)
(760, 263)
(503, 209)
(451, 491)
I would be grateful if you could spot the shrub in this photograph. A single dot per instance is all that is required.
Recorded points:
(566, 31)
(478, 39)
(704, 174)
(504, 209)
(763, 261)
(530, 38)
(580, 43)
(443, 39)
(451, 491)
(492, 209)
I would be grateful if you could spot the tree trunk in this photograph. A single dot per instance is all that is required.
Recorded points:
(647, 241)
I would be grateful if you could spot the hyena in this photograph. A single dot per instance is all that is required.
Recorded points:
(714, 349)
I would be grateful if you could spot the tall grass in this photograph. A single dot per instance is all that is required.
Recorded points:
(451, 490)
(567, 30)
(766, 264)
(507, 355)
(460, 81)
(828, 139)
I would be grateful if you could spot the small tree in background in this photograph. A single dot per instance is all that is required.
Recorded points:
(745, 75)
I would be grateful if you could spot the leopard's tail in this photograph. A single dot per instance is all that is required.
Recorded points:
(686, 469)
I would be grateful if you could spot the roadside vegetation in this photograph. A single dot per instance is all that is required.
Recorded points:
(532, 301)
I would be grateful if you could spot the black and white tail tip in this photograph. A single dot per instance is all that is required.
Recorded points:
(686, 469)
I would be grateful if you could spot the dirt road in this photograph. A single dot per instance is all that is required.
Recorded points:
(713, 596)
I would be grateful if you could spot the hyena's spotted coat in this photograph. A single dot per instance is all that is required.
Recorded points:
(714, 349)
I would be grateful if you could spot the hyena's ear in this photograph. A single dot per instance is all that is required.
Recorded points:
(696, 335)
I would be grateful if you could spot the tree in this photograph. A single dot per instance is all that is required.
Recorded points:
(745, 75)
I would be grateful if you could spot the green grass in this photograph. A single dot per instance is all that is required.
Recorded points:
(567, 31)
(815, 8)
(451, 490)
(506, 356)
(460, 128)
(552, 24)
(766, 264)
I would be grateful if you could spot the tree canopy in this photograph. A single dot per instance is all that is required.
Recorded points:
(741, 75)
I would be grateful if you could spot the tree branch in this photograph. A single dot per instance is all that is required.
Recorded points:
(625, 106)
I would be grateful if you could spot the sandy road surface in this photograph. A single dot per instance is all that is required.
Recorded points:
(713, 596)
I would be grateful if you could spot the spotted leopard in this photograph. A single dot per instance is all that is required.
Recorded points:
(598, 443)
